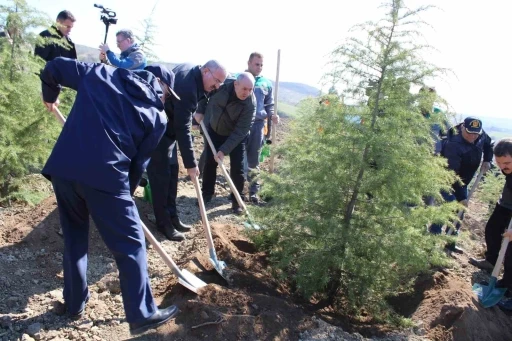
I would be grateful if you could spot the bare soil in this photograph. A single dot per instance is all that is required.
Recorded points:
(253, 305)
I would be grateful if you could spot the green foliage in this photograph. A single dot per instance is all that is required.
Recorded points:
(347, 219)
(28, 131)
(490, 189)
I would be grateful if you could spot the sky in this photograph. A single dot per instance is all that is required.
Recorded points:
(470, 37)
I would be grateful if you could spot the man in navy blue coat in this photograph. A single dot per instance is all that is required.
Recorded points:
(464, 148)
(115, 123)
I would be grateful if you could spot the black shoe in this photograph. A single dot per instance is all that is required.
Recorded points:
(171, 234)
(160, 317)
(178, 225)
(454, 248)
(237, 209)
(483, 264)
(256, 201)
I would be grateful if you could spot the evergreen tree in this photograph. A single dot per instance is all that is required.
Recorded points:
(347, 219)
(28, 132)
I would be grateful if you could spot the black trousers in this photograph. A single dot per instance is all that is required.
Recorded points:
(236, 158)
(497, 224)
(163, 170)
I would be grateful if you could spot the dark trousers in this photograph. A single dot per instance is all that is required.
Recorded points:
(118, 223)
(497, 224)
(236, 158)
(163, 170)
(448, 197)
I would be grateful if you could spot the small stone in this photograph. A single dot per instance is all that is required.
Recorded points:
(204, 315)
(85, 325)
(118, 299)
(34, 329)
(25, 337)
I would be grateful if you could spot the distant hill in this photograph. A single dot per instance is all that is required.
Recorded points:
(289, 92)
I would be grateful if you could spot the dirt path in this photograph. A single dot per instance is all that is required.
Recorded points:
(253, 306)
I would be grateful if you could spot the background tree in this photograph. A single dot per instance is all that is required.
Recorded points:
(347, 220)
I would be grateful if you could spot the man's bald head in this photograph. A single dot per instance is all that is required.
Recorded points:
(244, 85)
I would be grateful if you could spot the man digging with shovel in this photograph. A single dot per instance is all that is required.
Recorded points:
(116, 121)
(500, 218)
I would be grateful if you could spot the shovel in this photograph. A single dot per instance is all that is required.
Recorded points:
(217, 264)
(471, 191)
(250, 223)
(185, 278)
(489, 295)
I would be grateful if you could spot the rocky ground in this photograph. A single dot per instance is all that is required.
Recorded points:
(252, 306)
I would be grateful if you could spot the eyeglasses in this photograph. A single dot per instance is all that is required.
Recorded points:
(218, 81)
(120, 41)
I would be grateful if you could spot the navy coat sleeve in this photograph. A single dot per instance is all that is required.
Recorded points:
(141, 160)
(182, 120)
(61, 72)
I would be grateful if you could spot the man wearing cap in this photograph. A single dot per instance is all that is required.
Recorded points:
(463, 148)
(500, 218)
(192, 83)
(95, 166)
(229, 115)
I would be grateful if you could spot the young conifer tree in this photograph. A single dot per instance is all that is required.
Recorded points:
(28, 132)
(347, 219)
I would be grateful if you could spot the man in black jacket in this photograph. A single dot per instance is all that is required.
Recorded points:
(500, 218)
(464, 147)
(56, 39)
(229, 115)
(191, 84)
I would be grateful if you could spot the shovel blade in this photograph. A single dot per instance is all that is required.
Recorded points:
(489, 295)
(219, 266)
(191, 281)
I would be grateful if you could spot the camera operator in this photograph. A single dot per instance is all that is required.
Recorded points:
(131, 58)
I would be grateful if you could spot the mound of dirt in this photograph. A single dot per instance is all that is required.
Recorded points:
(450, 312)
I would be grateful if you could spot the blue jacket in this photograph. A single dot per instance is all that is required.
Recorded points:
(115, 123)
(188, 85)
(132, 58)
(463, 157)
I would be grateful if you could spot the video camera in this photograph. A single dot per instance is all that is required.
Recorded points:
(108, 17)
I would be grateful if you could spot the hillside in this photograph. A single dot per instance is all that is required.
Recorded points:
(289, 92)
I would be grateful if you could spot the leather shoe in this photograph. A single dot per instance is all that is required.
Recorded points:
(178, 225)
(171, 233)
(483, 264)
(160, 317)
(454, 248)
(237, 209)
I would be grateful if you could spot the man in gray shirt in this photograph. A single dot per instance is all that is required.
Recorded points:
(229, 115)
(500, 218)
